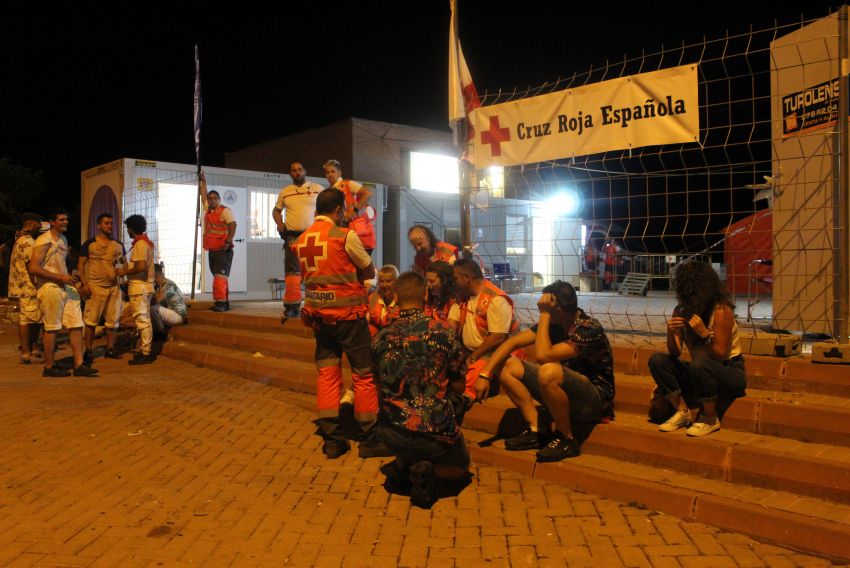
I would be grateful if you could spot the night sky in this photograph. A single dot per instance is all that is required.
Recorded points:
(87, 86)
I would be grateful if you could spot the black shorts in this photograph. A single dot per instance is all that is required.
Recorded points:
(586, 404)
(411, 447)
(220, 261)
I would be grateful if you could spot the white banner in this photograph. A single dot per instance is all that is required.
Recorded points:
(654, 108)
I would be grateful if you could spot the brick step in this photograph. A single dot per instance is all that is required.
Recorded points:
(240, 318)
(791, 374)
(283, 343)
(799, 416)
(783, 518)
(817, 470)
(292, 375)
(783, 374)
(773, 489)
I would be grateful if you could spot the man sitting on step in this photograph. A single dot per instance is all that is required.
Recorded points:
(573, 376)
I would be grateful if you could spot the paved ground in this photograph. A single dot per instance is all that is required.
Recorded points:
(170, 464)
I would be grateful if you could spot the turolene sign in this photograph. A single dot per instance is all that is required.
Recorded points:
(630, 112)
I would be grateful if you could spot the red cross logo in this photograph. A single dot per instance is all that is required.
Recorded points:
(311, 251)
(495, 136)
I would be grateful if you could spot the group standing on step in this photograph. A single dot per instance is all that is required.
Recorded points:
(423, 346)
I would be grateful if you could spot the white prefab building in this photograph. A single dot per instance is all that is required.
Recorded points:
(166, 194)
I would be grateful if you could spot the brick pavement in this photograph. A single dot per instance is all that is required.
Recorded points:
(172, 464)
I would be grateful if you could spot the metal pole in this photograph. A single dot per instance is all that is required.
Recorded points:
(464, 168)
(195, 242)
(840, 197)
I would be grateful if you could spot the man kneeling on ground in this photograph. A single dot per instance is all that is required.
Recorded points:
(415, 361)
(573, 376)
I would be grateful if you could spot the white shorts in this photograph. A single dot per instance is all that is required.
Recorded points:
(104, 302)
(28, 311)
(60, 307)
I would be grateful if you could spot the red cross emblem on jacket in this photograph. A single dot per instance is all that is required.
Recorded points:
(311, 251)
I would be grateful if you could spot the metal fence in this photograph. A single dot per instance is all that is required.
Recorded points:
(759, 196)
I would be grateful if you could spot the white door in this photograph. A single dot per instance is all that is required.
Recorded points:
(237, 199)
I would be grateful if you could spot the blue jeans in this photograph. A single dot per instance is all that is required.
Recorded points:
(703, 378)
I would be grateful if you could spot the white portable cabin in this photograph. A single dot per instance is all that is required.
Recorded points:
(166, 194)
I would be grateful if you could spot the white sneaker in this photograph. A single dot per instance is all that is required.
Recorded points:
(703, 429)
(682, 419)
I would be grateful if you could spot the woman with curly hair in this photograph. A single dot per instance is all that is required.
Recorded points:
(440, 295)
(703, 321)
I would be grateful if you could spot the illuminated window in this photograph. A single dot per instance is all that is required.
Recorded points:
(433, 172)
(260, 216)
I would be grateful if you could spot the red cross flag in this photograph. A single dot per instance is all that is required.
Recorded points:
(463, 97)
(649, 109)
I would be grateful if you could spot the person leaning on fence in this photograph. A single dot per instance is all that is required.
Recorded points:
(219, 230)
(573, 376)
(382, 306)
(169, 308)
(429, 249)
(333, 265)
(139, 273)
(293, 212)
(416, 361)
(99, 283)
(484, 315)
(703, 321)
(22, 287)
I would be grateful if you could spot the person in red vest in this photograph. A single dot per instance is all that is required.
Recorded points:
(382, 307)
(359, 215)
(611, 257)
(333, 266)
(485, 318)
(429, 249)
(219, 229)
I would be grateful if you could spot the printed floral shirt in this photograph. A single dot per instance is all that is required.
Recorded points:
(413, 361)
(20, 284)
(174, 299)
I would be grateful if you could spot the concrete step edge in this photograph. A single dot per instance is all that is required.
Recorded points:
(797, 531)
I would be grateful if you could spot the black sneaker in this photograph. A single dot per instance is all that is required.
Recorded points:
(220, 307)
(559, 448)
(84, 371)
(112, 353)
(334, 449)
(292, 312)
(88, 357)
(423, 484)
(139, 359)
(55, 371)
(373, 448)
(528, 440)
(397, 478)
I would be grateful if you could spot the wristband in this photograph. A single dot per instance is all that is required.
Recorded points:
(708, 339)
(485, 377)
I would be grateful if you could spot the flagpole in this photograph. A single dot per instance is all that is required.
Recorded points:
(464, 166)
(198, 111)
